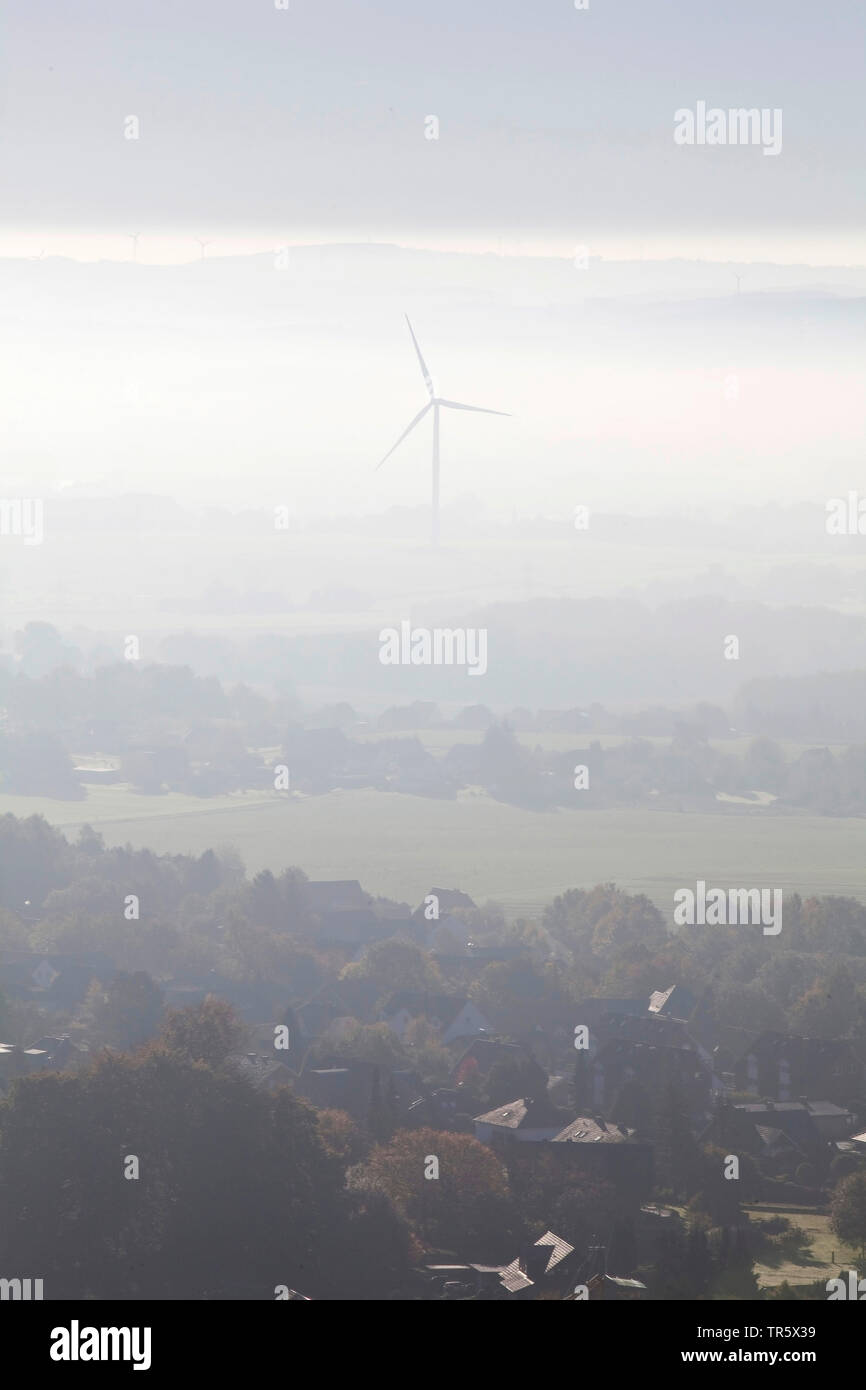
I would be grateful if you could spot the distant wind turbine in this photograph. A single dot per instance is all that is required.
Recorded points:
(434, 404)
(133, 236)
(202, 244)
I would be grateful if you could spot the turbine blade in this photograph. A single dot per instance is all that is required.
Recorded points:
(428, 380)
(408, 430)
(482, 410)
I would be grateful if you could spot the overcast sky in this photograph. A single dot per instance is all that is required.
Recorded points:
(555, 125)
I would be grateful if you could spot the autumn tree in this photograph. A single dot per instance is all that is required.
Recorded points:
(848, 1210)
(396, 965)
(206, 1032)
(604, 921)
(467, 1208)
(342, 1137)
(359, 1042)
(829, 1009)
(150, 1176)
(126, 1012)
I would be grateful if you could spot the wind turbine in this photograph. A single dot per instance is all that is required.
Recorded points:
(202, 244)
(435, 403)
(133, 237)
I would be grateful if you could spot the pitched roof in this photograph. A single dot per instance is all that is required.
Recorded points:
(766, 1107)
(792, 1118)
(649, 1056)
(826, 1108)
(261, 1071)
(449, 899)
(523, 1114)
(514, 1277)
(675, 1001)
(335, 895)
(559, 1248)
(589, 1010)
(774, 1138)
(653, 1029)
(334, 919)
(585, 1130)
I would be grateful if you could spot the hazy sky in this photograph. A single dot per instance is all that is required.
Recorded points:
(249, 383)
(556, 125)
(235, 381)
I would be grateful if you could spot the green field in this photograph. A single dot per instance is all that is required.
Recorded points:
(820, 1255)
(400, 845)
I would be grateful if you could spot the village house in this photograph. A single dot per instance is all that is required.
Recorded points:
(674, 1002)
(444, 901)
(655, 1030)
(784, 1066)
(335, 895)
(441, 1108)
(544, 1257)
(262, 1072)
(653, 1067)
(17, 1061)
(352, 926)
(608, 1151)
(543, 1263)
(477, 1060)
(47, 1054)
(57, 981)
(594, 1283)
(524, 1121)
(781, 1134)
(348, 1087)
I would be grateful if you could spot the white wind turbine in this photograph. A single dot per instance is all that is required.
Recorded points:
(434, 404)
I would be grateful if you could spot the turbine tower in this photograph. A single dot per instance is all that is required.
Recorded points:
(434, 403)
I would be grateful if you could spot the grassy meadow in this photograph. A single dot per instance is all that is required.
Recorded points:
(401, 845)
